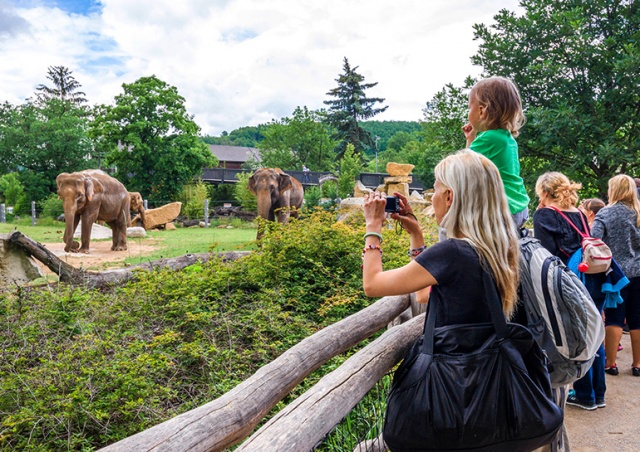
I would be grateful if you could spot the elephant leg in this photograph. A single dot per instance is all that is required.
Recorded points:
(85, 235)
(283, 215)
(119, 235)
(119, 232)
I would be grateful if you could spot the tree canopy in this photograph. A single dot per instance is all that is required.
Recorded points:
(303, 139)
(577, 65)
(152, 141)
(350, 104)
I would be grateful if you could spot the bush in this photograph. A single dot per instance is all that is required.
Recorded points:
(243, 195)
(83, 368)
(51, 206)
(193, 197)
(12, 193)
(312, 197)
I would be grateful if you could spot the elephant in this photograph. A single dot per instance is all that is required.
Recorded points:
(278, 194)
(137, 205)
(90, 196)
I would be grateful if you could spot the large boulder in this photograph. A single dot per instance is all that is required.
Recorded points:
(98, 231)
(16, 267)
(160, 216)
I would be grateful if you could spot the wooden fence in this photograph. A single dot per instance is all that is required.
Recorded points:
(304, 423)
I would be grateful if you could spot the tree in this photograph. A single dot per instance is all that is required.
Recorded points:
(349, 106)
(65, 86)
(303, 139)
(153, 141)
(577, 65)
(39, 140)
(350, 168)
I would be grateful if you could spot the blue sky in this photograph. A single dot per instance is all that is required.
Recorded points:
(244, 62)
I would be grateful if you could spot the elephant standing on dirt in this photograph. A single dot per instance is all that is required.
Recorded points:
(91, 196)
(278, 194)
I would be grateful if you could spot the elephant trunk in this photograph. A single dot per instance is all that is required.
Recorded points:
(265, 206)
(142, 216)
(70, 225)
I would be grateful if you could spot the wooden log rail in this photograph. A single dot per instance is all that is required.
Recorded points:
(232, 417)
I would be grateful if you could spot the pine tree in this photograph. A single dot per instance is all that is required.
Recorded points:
(349, 106)
(65, 86)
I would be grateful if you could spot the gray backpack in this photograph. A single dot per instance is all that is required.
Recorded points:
(560, 313)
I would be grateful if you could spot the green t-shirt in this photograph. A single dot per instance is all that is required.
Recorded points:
(500, 147)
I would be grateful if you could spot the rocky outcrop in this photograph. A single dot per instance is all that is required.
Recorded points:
(16, 267)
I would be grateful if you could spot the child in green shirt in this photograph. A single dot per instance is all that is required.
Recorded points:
(495, 117)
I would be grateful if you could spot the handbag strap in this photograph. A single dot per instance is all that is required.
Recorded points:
(495, 308)
(584, 225)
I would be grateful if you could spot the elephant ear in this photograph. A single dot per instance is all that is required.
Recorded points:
(91, 187)
(252, 184)
(285, 182)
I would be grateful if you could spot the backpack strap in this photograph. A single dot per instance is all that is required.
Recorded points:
(584, 235)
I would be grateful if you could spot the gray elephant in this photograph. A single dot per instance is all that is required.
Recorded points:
(91, 196)
(278, 194)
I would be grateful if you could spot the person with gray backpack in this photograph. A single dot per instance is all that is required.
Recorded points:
(555, 190)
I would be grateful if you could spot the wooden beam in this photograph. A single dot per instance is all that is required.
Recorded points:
(303, 423)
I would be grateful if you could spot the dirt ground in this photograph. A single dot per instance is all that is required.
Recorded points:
(613, 428)
(101, 257)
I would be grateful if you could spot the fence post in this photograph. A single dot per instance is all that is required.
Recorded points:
(144, 203)
(3, 213)
(206, 213)
(33, 213)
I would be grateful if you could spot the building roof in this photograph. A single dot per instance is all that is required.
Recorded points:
(234, 153)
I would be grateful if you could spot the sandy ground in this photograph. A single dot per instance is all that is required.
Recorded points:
(101, 257)
(615, 427)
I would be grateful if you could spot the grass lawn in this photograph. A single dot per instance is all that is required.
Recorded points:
(167, 243)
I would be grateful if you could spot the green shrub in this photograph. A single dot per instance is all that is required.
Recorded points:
(193, 197)
(312, 197)
(83, 368)
(243, 195)
(12, 193)
(51, 206)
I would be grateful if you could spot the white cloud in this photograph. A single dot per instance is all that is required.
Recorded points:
(245, 62)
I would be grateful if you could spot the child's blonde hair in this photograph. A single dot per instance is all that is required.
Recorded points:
(501, 99)
(622, 189)
(559, 188)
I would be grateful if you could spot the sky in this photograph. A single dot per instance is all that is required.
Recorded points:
(245, 62)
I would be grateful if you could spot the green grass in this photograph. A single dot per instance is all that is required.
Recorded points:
(168, 243)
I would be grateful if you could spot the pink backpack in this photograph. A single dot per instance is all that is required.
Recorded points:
(596, 255)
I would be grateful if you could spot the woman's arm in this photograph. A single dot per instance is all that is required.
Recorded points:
(407, 279)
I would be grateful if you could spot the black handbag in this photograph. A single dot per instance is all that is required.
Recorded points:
(480, 387)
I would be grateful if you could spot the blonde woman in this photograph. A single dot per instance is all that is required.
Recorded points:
(556, 191)
(478, 240)
(618, 225)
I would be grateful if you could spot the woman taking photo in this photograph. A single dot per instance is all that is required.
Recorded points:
(479, 240)
(618, 225)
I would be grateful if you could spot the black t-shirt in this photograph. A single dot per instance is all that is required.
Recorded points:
(455, 265)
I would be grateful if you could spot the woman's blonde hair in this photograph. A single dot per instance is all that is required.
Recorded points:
(559, 188)
(501, 99)
(622, 189)
(475, 181)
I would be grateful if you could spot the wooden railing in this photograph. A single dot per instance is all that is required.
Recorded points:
(302, 424)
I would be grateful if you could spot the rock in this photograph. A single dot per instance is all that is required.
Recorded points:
(398, 180)
(359, 190)
(399, 169)
(160, 216)
(169, 227)
(97, 231)
(403, 189)
(136, 231)
(201, 224)
(16, 268)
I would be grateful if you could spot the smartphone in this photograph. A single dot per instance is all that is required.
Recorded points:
(393, 204)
